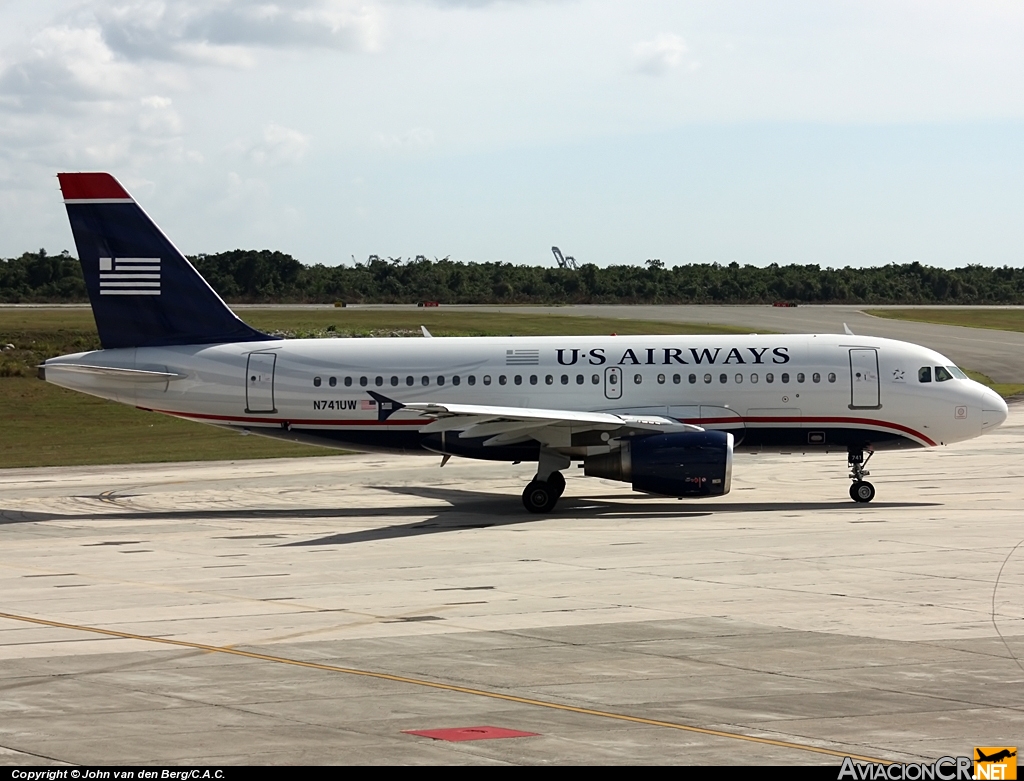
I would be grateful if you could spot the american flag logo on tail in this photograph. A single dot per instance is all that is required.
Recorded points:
(129, 276)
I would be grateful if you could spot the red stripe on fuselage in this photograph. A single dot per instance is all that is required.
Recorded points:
(855, 421)
(695, 421)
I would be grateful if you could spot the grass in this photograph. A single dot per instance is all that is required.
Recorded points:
(999, 319)
(43, 425)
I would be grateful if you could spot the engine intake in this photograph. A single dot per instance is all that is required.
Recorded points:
(689, 463)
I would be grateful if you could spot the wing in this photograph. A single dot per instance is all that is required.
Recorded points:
(509, 425)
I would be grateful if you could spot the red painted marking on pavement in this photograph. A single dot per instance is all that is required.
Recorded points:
(470, 733)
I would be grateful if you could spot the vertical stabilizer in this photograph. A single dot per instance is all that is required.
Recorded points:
(144, 292)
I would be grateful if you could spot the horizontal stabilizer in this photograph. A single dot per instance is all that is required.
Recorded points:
(113, 372)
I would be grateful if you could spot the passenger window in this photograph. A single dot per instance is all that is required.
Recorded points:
(941, 375)
(456, 380)
(753, 378)
(676, 379)
(440, 379)
(816, 377)
(518, 379)
(549, 380)
(501, 379)
(769, 377)
(487, 379)
(707, 378)
(800, 377)
(362, 381)
(394, 381)
(785, 377)
(579, 379)
(378, 381)
(739, 378)
(333, 381)
(637, 379)
(693, 379)
(595, 379)
(425, 381)
(613, 379)
(723, 378)
(316, 382)
(565, 379)
(410, 380)
(348, 382)
(924, 374)
(471, 379)
(831, 376)
(533, 379)
(661, 379)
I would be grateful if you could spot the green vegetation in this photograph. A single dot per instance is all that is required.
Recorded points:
(44, 425)
(999, 319)
(265, 276)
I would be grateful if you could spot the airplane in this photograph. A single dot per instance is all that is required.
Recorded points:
(999, 755)
(663, 413)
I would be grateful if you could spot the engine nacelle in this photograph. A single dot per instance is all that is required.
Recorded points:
(688, 463)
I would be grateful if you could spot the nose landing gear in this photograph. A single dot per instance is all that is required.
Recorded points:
(861, 491)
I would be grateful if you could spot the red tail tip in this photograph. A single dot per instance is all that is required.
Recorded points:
(87, 187)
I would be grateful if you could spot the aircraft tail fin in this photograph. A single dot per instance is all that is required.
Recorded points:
(144, 292)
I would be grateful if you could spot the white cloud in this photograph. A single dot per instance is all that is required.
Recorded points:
(659, 55)
(278, 145)
(199, 29)
(417, 138)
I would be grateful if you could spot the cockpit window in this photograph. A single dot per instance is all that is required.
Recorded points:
(941, 375)
(957, 373)
(924, 374)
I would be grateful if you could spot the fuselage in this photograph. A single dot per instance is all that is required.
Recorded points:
(785, 393)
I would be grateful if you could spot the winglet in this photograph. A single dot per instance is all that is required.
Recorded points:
(847, 331)
(385, 407)
(426, 333)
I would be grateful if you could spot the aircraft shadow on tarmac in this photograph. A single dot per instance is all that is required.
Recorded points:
(476, 510)
(466, 510)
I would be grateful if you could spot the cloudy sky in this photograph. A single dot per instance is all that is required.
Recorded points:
(839, 133)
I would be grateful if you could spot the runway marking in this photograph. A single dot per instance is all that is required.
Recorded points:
(445, 687)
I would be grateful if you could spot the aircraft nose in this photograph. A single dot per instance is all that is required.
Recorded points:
(993, 410)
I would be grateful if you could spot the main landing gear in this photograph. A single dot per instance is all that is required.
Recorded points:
(547, 485)
(861, 490)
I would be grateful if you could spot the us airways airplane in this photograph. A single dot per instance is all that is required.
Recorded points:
(664, 413)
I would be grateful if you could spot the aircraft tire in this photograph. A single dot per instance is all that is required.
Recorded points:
(557, 483)
(539, 497)
(862, 491)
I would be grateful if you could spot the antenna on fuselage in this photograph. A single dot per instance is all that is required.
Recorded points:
(847, 330)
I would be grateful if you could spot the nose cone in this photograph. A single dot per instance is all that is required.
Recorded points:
(993, 410)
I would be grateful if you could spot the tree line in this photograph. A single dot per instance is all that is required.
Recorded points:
(265, 276)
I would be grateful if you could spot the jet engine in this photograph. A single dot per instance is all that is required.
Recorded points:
(688, 463)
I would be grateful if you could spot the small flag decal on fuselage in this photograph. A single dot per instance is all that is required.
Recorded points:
(129, 276)
(522, 357)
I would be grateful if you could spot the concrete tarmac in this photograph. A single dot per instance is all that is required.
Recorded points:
(315, 610)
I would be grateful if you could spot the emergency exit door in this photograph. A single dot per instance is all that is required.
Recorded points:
(613, 382)
(259, 382)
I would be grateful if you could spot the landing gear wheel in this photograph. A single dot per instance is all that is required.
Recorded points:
(557, 483)
(539, 497)
(862, 491)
